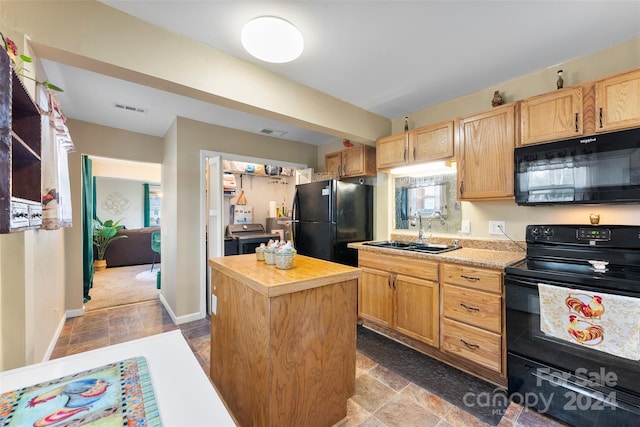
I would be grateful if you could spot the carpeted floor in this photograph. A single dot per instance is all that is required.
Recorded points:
(440, 379)
(123, 285)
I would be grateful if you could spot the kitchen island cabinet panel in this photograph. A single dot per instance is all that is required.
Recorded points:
(283, 342)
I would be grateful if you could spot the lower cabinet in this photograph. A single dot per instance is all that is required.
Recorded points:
(455, 309)
(472, 326)
(400, 294)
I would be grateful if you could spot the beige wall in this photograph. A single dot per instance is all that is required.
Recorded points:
(184, 162)
(616, 59)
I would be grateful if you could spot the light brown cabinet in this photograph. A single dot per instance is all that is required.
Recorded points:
(352, 162)
(434, 142)
(618, 102)
(551, 116)
(392, 151)
(484, 149)
(472, 323)
(20, 146)
(401, 294)
(421, 145)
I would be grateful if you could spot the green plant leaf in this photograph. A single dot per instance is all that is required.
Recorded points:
(53, 87)
(25, 58)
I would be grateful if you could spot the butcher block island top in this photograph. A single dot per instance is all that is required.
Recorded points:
(283, 342)
(268, 280)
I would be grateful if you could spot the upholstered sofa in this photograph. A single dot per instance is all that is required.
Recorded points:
(134, 250)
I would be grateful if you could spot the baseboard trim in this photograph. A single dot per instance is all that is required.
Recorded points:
(74, 313)
(182, 319)
(54, 339)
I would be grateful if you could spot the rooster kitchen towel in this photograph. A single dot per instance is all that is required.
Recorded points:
(604, 322)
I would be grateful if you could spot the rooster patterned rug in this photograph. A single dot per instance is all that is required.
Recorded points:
(116, 394)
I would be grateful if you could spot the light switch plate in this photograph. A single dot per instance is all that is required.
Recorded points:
(465, 226)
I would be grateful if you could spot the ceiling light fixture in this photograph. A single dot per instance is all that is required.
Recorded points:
(272, 39)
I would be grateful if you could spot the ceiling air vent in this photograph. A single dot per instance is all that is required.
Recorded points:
(130, 108)
(272, 132)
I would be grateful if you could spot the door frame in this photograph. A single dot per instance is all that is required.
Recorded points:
(205, 155)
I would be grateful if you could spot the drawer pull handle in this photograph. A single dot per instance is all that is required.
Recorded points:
(473, 346)
(469, 308)
(472, 278)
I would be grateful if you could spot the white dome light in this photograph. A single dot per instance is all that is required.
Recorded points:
(272, 39)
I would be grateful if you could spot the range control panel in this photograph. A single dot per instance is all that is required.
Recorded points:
(600, 234)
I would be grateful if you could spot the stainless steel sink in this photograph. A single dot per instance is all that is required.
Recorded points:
(431, 248)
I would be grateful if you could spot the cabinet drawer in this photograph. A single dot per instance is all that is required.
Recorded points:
(472, 277)
(477, 345)
(476, 308)
(423, 269)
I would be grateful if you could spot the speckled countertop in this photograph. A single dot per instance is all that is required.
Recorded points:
(503, 254)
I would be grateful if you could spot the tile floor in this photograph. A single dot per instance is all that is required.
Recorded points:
(382, 397)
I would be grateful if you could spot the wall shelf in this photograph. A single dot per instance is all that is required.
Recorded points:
(20, 148)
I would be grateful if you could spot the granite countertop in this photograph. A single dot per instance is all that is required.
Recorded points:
(490, 258)
(307, 273)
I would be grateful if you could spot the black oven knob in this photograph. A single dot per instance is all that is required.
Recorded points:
(535, 232)
(547, 232)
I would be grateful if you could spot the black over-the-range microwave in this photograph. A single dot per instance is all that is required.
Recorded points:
(603, 168)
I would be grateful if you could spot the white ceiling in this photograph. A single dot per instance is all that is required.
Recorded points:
(391, 57)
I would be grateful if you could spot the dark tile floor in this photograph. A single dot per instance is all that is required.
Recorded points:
(383, 398)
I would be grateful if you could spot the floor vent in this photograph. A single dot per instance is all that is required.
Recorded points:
(130, 108)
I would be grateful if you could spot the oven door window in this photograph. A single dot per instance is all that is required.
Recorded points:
(524, 338)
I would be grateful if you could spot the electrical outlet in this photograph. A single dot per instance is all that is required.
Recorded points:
(496, 227)
(465, 226)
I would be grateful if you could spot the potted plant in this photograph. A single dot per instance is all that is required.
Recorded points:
(103, 234)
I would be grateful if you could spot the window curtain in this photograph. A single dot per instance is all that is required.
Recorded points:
(56, 144)
(147, 206)
(87, 227)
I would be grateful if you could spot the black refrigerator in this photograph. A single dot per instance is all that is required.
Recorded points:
(327, 215)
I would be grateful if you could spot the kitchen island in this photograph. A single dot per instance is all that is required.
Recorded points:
(283, 342)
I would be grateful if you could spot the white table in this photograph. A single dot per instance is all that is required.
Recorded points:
(183, 392)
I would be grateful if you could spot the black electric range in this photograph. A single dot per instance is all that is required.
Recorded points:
(247, 237)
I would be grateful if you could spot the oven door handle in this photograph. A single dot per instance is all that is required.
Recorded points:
(570, 385)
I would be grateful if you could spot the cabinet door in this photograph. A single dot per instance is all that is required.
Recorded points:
(333, 163)
(392, 151)
(485, 154)
(416, 309)
(551, 116)
(431, 142)
(375, 296)
(618, 102)
(358, 161)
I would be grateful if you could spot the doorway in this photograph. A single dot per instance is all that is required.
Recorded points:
(127, 192)
(215, 214)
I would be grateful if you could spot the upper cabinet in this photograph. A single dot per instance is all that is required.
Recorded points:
(352, 162)
(392, 150)
(20, 144)
(618, 102)
(434, 142)
(485, 154)
(428, 143)
(551, 116)
(605, 105)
